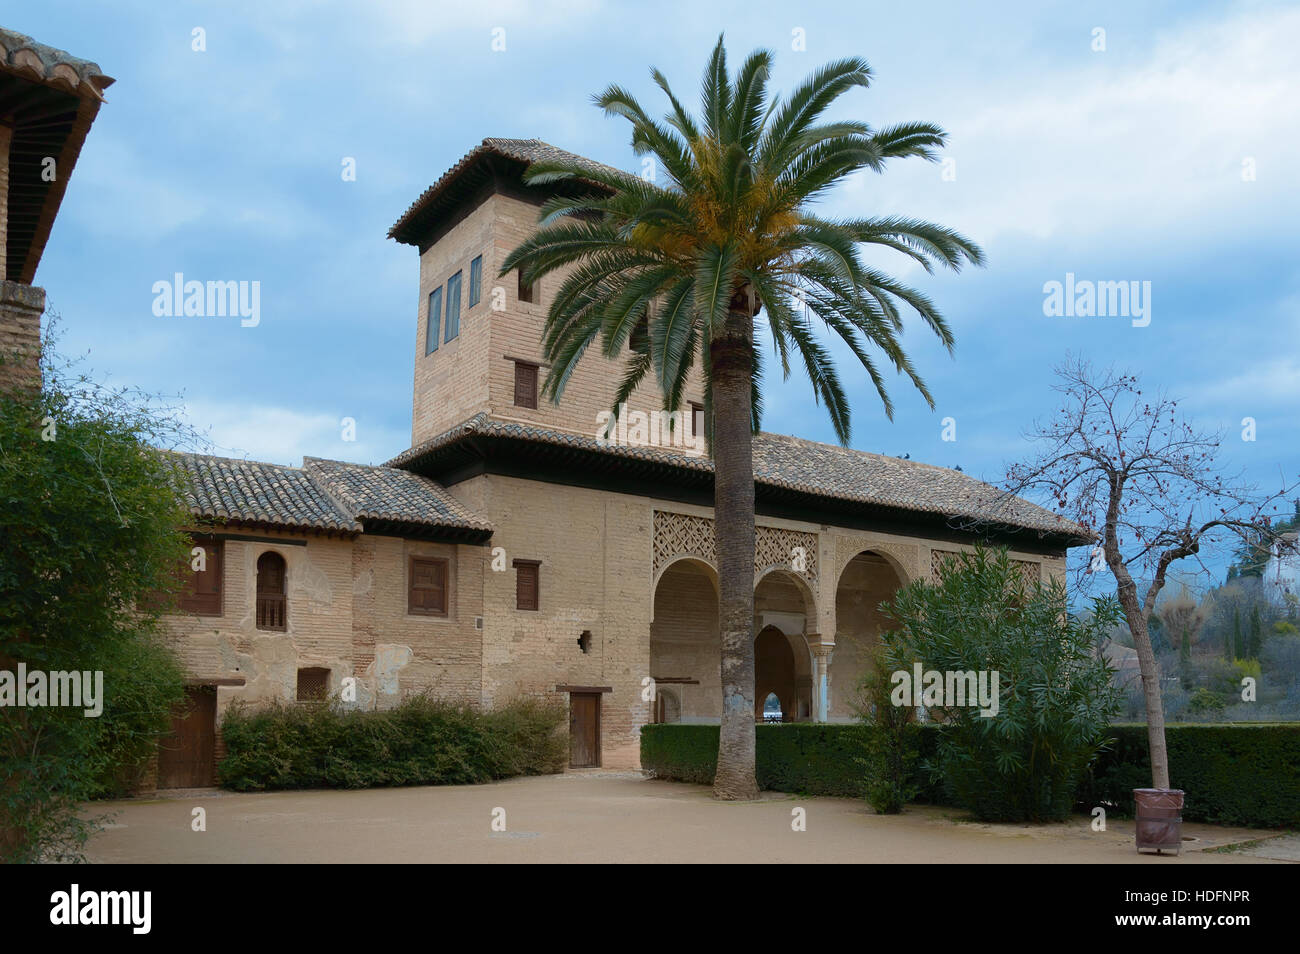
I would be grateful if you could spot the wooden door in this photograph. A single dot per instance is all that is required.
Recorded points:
(187, 757)
(584, 729)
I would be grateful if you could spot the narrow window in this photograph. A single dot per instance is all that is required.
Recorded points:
(426, 594)
(697, 420)
(203, 594)
(527, 584)
(475, 281)
(434, 322)
(527, 292)
(525, 385)
(272, 604)
(313, 684)
(453, 307)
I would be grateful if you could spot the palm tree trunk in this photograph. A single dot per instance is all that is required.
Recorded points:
(733, 510)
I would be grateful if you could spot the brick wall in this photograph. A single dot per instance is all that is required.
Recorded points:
(475, 372)
(21, 307)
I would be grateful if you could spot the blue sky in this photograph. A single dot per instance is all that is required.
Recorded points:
(1120, 164)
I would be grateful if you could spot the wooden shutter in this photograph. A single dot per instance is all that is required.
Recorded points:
(427, 593)
(525, 385)
(527, 584)
(202, 594)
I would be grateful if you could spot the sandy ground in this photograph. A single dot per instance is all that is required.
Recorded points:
(602, 817)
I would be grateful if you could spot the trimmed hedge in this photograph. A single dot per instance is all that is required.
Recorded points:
(809, 758)
(420, 742)
(1245, 775)
(1233, 774)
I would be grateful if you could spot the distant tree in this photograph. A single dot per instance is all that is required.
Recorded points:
(1151, 486)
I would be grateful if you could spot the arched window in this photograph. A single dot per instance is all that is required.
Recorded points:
(272, 605)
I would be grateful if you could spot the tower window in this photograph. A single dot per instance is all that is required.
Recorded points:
(434, 321)
(527, 292)
(453, 307)
(475, 281)
(527, 584)
(525, 385)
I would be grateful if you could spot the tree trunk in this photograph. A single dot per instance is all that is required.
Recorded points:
(1137, 625)
(733, 510)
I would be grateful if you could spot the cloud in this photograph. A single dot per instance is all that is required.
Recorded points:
(283, 435)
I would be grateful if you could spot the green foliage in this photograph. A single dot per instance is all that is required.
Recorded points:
(420, 742)
(803, 757)
(1205, 700)
(653, 270)
(893, 748)
(1232, 774)
(1056, 696)
(89, 526)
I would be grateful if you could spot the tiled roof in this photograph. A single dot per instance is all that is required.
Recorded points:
(821, 470)
(25, 57)
(385, 493)
(526, 151)
(321, 495)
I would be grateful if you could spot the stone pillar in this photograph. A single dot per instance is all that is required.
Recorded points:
(21, 307)
(821, 677)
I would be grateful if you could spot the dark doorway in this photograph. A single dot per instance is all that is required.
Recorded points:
(187, 757)
(584, 730)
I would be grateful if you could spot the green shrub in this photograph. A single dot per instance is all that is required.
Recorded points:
(803, 757)
(1232, 774)
(89, 526)
(1055, 695)
(420, 742)
(892, 747)
(1205, 700)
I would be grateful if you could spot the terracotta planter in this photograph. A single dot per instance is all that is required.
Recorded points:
(1159, 819)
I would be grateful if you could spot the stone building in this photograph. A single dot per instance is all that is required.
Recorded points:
(521, 547)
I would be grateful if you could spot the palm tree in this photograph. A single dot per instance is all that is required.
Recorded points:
(671, 274)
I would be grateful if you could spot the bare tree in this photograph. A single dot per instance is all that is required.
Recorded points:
(1151, 487)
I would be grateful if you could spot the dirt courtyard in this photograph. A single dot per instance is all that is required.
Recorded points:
(599, 817)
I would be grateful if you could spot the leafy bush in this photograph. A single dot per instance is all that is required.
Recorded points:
(1055, 695)
(892, 749)
(89, 526)
(422, 741)
(1205, 700)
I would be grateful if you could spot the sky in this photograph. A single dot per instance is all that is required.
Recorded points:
(1115, 141)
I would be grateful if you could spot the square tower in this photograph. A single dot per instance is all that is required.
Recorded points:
(478, 341)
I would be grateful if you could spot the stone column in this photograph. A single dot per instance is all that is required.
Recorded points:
(821, 677)
(21, 307)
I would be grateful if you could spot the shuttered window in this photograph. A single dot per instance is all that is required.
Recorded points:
(427, 593)
(527, 584)
(453, 307)
(525, 385)
(527, 292)
(475, 281)
(202, 594)
(433, 322)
